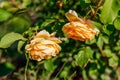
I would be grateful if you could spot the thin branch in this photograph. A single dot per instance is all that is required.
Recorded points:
(61, 69)
(94, 12)
(25, 74)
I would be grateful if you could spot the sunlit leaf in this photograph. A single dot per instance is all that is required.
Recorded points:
(108, 52)
(9, 38)
(105, 77)
(100, 42)
(84, 75)
(109, 11)
(4, 4)
(117, 23)
(93, 73)
(118, 73)
(105, 39)
(97, 25)
(25, 3)
(4, 15)
(113, 61)
(64, 72)
(87, 1)
(48, 64)
(83, 57)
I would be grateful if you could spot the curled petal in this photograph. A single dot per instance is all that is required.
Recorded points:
(71, 15)
(42, 34)
(53, 34)
(56, 40)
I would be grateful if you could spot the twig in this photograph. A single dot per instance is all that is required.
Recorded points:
(94, 12)
(27, 57)
(61, 69)
(102, 53)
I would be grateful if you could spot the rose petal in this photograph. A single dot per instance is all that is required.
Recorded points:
(43, 34)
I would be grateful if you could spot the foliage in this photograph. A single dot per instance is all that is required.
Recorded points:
(96, 59)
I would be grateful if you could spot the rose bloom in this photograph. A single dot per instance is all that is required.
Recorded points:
(43, 46)
(78, 28)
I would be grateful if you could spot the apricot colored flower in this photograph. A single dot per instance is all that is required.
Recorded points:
(78, 28)
(43, 46)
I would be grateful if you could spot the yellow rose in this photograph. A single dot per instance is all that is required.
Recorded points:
(43, 46)
(77, 28)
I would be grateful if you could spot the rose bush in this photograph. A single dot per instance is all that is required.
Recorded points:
(27, 54)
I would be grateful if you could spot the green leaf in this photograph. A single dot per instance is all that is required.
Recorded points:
(105, 77)
(108, 53)
(90, 41)
(105, 39)
(113, 61)
(20, 45)
(84, 75)
(4, 4)
(84, 3)
(9, 38)
(93, 74)
(118, 73)
(19, 24)
(87, 1)
(100, 41)
(48, 64)
(4, 15)
(6, 68)
(109, 11)
(83, 57)
(108, 29)
(65, 71)
(25, 3)
(47, 22)
(117, 23)
(97, 25)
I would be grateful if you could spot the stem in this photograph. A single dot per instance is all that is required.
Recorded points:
(27, 57)
(61, 69)
(73, 74)
(95, 12)
(102, 53)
